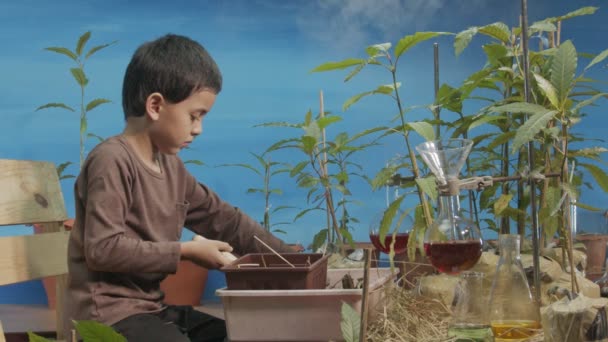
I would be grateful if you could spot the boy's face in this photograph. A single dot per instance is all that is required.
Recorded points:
(175, 125)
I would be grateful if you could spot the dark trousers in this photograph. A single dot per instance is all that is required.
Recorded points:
(174, 324)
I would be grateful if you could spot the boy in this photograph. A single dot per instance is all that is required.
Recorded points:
(134, 195)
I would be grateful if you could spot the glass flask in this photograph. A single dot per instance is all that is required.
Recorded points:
(399, 230)
(469, 310)
(452, 243)
(514, 314)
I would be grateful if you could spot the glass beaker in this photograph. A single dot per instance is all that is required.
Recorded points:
(469, 310)
(514, 314)
(452, 243)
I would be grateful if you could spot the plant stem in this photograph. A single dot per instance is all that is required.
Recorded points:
(423, 201)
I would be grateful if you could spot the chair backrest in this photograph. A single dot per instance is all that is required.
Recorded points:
(30, 193)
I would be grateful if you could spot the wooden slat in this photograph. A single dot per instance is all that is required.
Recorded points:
(33, 256)
(29, 193)
(23, 318)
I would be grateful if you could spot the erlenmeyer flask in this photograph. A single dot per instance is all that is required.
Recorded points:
(452, 243)
(514, 315)
(469, 310)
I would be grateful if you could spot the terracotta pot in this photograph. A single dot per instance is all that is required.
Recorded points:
(49, 283)
(595, 249)
(186, 286)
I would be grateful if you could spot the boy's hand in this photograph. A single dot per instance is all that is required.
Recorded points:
(206, 253)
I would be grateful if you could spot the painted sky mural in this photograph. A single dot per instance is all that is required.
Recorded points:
(266, 50)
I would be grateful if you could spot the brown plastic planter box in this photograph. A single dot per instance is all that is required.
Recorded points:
(272, 273)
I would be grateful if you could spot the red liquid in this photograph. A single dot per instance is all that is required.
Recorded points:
(453, 257)
(400, 242)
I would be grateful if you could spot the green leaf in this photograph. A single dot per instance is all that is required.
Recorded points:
(350, 323)
(97, 48)
(195, 162)
(79, 76)
(327, 120)
(502, 203)
(587, 102)
(373, 50)
(530, 128)
(338, 65)
(308, 144)
(543, 26)
(383, 89)
(597, 59)
(548, 90)
(520, 107)
(497, 30)
(91, 135)
(62, 51)
(563, 68)
(92, 331)
(299, 167)
(245, 166)
(36, 338)
(82, 41)
(408, 42)
(463, 39)
(95, 103)
(425, 129)
(428, 186)
(387, 218)
(495, 52)
(587, 207)
(55, 105)
(579, 12)
(61, 167)
(319, 239)
(483, 119)
(598, 174)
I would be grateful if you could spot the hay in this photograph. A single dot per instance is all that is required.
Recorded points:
(409, 317)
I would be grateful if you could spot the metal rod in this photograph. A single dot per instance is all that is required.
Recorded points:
(436, 110)
(531, 162)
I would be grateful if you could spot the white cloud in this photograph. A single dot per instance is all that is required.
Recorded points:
(346, 24)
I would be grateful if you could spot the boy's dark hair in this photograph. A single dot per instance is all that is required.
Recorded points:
(173, 65)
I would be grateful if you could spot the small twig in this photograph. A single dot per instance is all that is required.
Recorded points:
(273, 251)
(264, 261)
(247, 265)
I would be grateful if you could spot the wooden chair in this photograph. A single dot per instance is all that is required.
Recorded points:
(30, 193)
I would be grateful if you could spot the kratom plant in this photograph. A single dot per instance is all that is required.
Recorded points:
(326, 169)
(380, 55)
(267, 169)
(557, 103)
(79, 57)
(89, 331)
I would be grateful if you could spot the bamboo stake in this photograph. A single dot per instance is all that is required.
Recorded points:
(364, 299)
(273, 251)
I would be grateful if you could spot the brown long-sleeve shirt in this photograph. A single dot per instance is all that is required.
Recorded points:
(128, 224)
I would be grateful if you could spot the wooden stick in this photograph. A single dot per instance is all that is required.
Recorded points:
(364, 299)
(273, 251)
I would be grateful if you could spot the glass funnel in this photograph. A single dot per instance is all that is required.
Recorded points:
(514, 315)
(452, 243)
(469, 310)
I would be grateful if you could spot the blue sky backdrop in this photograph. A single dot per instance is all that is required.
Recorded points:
(265, 50)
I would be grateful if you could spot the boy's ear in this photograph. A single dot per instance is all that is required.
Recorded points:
(154, 103)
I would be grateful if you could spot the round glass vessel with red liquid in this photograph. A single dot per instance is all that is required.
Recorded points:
(400, 236)
(452, 243)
